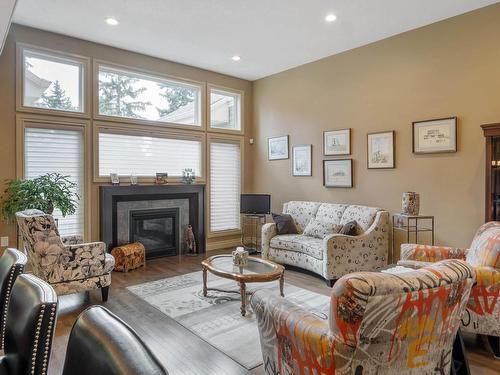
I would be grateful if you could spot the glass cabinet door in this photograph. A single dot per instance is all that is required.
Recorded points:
(495, 177)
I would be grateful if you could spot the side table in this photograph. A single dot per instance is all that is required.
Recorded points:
(251, 232)
(411, 224)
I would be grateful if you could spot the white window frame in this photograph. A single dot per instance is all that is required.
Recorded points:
(241, 94)
(53, 122)
(223, 138)
(152, 76)
(57, 56)
(143, 130)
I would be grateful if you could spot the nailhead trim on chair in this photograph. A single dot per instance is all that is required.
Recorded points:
(37, 336)
(46, 352)
(14, 271)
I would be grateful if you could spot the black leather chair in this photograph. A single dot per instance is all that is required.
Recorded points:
(100, 343)
(30, 326)
(12, 264)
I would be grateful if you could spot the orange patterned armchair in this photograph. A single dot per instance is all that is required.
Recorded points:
(482, 315)
(380, 323)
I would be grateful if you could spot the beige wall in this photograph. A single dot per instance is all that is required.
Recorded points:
(449, 68)
(93, 50)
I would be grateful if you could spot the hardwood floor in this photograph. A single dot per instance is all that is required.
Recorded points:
(178, 349)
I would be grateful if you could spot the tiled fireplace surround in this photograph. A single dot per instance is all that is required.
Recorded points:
(118, 201)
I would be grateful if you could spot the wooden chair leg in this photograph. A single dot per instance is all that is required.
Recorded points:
(459, 361)
(330, 283)
(105, 293)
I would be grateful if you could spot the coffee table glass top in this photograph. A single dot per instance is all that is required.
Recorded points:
(224, 263)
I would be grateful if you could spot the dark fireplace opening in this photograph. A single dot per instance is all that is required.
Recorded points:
(157, 230)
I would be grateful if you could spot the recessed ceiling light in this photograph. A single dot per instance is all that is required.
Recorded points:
(330, 17)
(112, 21)
(236, 58)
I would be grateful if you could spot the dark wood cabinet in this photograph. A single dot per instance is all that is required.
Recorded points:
(492, 182)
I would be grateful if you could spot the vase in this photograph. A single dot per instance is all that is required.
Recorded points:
(410, 203)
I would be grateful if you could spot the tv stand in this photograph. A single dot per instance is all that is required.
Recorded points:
(251, 232)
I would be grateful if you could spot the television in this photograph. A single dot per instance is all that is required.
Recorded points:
(255, 204)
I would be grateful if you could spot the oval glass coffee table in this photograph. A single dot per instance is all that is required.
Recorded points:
(256, 271)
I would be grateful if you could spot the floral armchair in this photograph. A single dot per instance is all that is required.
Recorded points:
(482, 315)
(71, 268)
(379, 323)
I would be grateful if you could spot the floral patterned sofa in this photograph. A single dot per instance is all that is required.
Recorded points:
(71, 268)
(335, 255)
(379, 323)
(482, 315)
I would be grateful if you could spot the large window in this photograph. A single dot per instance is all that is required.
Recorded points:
(225, 110)
(48, 150)
(128, 154)
(225, 181)
(138, 96)
(52, 82)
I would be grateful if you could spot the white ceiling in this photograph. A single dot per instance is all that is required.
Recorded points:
(269, 35)
(6, 11)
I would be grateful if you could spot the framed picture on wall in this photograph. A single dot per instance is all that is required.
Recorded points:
(277, 148)
(337, 173)
(302, 160)
(337, 142)
(380, 150)
(435, 136)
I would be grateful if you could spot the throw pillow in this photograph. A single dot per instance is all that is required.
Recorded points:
(321, 229)
(284, 224)
(350, 228)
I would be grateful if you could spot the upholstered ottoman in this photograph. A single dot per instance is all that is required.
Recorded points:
(129, 257)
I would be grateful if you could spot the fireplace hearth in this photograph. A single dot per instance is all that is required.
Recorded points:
(157, 230)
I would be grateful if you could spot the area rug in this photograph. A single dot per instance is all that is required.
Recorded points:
(216, 318)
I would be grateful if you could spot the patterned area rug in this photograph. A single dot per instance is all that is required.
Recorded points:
(216, 318)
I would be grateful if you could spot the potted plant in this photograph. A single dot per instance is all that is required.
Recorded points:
(45, 193)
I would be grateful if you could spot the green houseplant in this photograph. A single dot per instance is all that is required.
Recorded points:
(46, 192)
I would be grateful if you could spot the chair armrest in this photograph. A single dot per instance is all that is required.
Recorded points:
(90, 255)
(415, 264)
(268, 232)
(289, 332)
(425, 253)
(487, 277)
(72, 240)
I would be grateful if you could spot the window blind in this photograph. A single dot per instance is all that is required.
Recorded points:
(58, 151)
(146, 156)
(224, 186)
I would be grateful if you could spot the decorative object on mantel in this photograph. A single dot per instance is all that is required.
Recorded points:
(302, 160)
(434, 136)
(161, 178)
(240, 257)
(380, 150)
(410, 203)
(411, 224)
(277, 148)
(188, 176)
(133, 179)
(337, 142)
(115, 180)
(129, 257)
(190, 241)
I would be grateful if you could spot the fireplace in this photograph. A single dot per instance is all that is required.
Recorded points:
(157, 230)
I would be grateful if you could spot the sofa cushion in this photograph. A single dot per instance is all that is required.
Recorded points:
(299, 243)
(331, 212)
(284, 224)
(363, 215)
(320, 229)
(301, 212)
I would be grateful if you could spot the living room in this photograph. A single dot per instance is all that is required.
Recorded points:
(229, 187)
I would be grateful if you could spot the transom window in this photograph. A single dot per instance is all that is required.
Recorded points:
(145, 156)
(225, 110)
(133, 95)
(52, 82)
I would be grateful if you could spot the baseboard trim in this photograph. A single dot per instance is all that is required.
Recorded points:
(222, 244)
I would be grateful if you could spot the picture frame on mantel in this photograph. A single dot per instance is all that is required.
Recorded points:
(380, 150)
(337, 173)
(277, 148)
(302, 161)
(337, 142)
(435, 136)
